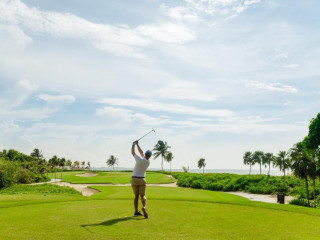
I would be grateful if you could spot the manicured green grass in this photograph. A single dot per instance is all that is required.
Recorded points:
(111, 177)
(175, 213)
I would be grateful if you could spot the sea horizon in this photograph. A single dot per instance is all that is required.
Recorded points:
(232, 171)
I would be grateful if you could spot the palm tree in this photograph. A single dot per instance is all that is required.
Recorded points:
(313, 171)
(185, 169)
(257, 158)
(282, 161)
(161, 149)
(112, 161)
(201, 163)
(83, 163)
(169, 158)
(248, 160)
(88, 164)
(76, 164)
(68, 163)
(300, 164)
(62, 162)
(54, 162)
(267, 159)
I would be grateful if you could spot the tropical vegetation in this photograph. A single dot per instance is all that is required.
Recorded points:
(161, 149)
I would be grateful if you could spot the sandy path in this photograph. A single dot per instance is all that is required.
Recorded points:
(261, 197)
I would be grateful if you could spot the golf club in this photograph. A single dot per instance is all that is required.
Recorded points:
(146, 134)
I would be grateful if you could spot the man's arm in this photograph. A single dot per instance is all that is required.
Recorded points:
(140, 150)
(132, 149)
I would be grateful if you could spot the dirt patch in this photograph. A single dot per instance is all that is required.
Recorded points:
(87, 174)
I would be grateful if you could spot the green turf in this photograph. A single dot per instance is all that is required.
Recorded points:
(110, 177)
(175, 213)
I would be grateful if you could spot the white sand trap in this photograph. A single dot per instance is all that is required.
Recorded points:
(87, 174)
(261, 197)
(82, 188)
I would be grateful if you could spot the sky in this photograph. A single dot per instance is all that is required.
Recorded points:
(83, 79)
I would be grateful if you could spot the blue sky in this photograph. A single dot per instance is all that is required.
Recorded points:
(215, 78)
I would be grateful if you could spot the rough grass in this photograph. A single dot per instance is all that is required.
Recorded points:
(38, 189)
(111, 177)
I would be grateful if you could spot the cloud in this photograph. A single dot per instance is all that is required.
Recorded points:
(179, 13)
(294, 65)
(24, 83)
(181, 90)
(196, 10)
(167, 32)
(12, 39)
(273, 87)
(57, 99)
(151, 105)
(122, 115)
(287, 103)
(116, 39)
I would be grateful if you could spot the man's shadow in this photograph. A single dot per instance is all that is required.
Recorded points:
(110, 222)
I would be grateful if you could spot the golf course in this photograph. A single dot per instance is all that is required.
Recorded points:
(51, 212)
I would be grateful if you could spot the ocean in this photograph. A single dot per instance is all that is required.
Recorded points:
(234, 171)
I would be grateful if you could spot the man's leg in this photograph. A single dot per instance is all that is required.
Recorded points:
(144, 201)
(136, 202)
(144, 205)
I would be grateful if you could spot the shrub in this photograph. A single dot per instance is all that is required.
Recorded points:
(25, 176)
(249, 183)
(300, 202)
(8, 173)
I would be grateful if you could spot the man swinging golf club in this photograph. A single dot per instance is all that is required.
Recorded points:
(138, 181)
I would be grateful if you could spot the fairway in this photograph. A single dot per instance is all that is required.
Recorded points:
(175, 213)
(110, 177)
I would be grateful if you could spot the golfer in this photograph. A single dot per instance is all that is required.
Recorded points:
(138, 181)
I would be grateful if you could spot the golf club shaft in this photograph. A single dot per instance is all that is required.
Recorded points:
(146, 134)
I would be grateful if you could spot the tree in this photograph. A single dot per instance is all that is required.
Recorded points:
(312, 141)
(54, 162)
(248, 159)
(161, 149)
(185, 169)
(76, 164)
(300, 164)
(282, 161)
(112, 161)
(83, 163)
(62, 162)
(36, 153)
(68, 163)
(169, 158)
(89, 165)
(257, 158)
(201, 163)
(3, 153)
(267, 159)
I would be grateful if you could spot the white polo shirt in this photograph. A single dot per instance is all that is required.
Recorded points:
(141, 166)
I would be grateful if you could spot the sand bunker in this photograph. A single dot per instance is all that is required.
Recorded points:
(82, 188)
(261, 197)
(87, 174)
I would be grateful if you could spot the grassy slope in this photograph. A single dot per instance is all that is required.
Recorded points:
(174, 214)
(111, 177)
